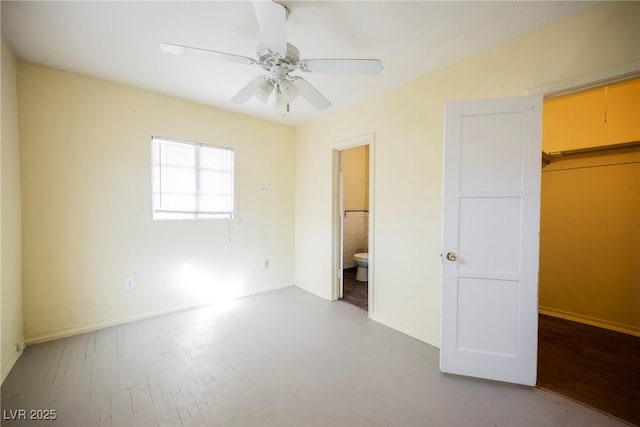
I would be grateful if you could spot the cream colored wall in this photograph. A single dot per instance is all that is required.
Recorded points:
(356, 178)
(87, 207)
(408, 125)
(11, 228)
(590, 240)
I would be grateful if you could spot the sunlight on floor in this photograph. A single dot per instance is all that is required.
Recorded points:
(213, 291)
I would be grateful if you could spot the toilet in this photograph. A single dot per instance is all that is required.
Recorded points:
(362, 261)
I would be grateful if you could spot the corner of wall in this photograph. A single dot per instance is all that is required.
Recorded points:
(8, 364)
(11, 312)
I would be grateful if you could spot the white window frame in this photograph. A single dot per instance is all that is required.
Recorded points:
(196, 214)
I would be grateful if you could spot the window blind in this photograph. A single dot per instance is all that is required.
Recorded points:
(192, 180)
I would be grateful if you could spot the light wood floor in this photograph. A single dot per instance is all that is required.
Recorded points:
(280, 358)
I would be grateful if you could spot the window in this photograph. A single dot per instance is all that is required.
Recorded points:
(192, 181)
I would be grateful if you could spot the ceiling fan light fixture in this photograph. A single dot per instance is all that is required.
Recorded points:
(264, 89)
(281, 100)
(288, 90)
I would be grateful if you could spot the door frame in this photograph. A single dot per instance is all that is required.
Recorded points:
(607, 76)
(582, 83)
(337, 220)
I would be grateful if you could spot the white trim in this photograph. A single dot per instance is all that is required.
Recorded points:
(405, 329)
(336, 241)
(64, 333)
(337, 277)
(372, 210)
(584, 82)
(354, 142)
(315, 293)
(588, 320)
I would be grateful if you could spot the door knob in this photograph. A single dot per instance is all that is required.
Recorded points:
(451, 256)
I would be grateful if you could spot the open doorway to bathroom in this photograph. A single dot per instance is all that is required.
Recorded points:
(353, 219)
(355, 226)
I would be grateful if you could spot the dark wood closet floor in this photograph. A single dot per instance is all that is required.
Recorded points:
(354, 292)
(595, 366)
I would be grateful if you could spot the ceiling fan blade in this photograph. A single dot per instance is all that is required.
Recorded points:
(311, 94)
(178, 49)
(342, 66)
(248, 91)
(272, 18)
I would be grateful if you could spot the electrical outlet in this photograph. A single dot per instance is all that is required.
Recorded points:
(129, 283)
(264, 188)
(266, 263)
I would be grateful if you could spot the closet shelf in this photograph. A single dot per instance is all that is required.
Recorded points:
(559, 155)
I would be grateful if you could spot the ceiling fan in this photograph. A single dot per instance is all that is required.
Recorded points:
(280, 59)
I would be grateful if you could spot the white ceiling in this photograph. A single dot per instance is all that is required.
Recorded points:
(119, 41)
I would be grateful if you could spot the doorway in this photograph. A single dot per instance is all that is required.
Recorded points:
(589, 329)
(353, 222)
(461, 313)
(355, 225)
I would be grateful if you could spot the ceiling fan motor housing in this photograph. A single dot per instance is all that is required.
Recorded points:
(267, 58)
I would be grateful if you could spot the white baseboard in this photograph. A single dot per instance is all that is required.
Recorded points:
(311, 291)
(6, 367)
(387, 321)
(587, 320)
(64, 333)
(405, 329)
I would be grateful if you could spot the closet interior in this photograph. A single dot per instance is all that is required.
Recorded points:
(589, 295)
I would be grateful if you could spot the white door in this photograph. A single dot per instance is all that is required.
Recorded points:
(491, 222)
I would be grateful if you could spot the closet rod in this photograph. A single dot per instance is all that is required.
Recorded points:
(556, 155)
